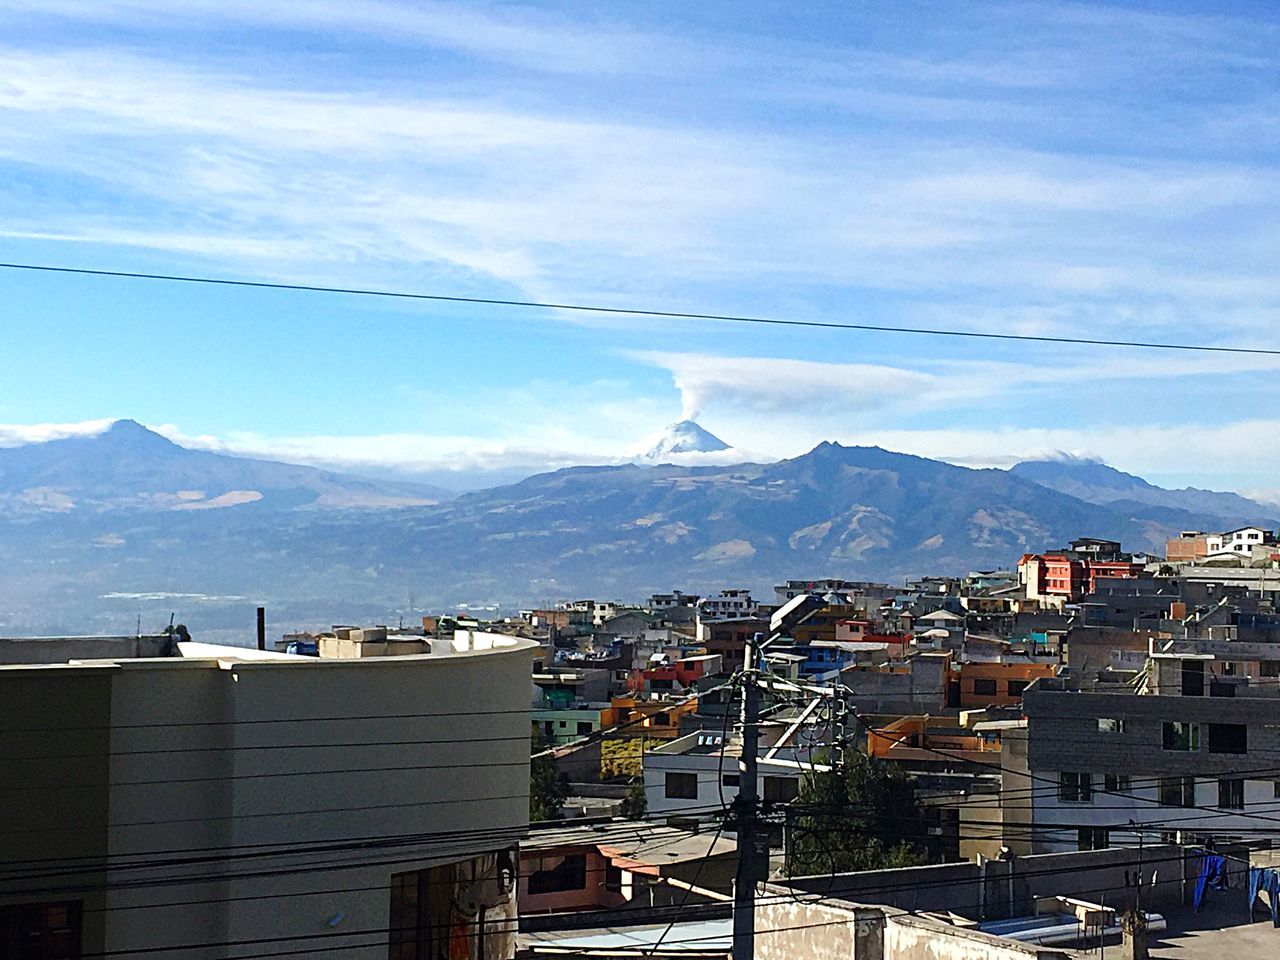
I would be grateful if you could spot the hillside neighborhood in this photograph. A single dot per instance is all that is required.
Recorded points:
(1075, 750)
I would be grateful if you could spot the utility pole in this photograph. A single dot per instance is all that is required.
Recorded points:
(744, 887)
(753, 843)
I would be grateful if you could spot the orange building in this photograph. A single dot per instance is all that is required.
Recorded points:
(920, 738)
(998, 684)
(655, 719)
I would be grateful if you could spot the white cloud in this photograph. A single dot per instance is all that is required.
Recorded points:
(745, 389)
(17, 434)
(753, 385)
(1169, 453)
(578, 202)
(519, 36)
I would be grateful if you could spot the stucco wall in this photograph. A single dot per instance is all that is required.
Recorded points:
(788, 929)
(61, 649)
(54, 731)
(1002, 888)
(937, 887)
(263, 800)
(919, 938)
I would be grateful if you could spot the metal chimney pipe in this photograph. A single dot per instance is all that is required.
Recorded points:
(262, 628)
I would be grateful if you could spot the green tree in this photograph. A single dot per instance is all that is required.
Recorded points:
(860, 815)
(634, 804)
(548, 787)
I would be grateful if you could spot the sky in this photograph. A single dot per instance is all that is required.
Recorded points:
(1106, 171)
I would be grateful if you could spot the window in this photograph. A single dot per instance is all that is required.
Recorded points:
(682, 786)
(1116, 782)
(781, 789)
(1231, 794)
(1110, 725)
(1178, 792)
(1075, 787)
(1181, 736)
(421, 901)
(40, 931)
(984, 688)
(1093, 838)
(1193, 678)
(1275, 789)
(661, 685)
(584, 727)
(729, 780)
(613, 878)
(1228, 738)
(1269, 668)
(555, 874)
(1016, 687)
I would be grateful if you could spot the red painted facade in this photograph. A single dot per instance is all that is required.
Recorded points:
(1074, 577)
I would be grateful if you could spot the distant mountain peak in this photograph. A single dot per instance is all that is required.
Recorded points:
(685, 436)
(1093, 480)
(129, 467)
(132, 434)
(1084, 469)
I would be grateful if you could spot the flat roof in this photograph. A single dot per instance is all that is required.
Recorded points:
(690, 937)
(648, 843)
(194, 654)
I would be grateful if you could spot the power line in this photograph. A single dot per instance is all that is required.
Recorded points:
(257, 816)
(422, 851)
(794, 896)
(615, 832)
(640, 312)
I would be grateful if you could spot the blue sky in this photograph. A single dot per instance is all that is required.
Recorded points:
(1065, 169)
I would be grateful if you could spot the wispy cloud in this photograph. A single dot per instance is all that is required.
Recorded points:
(18, 434)
(745, 388)
(512, 35)
(576, 201)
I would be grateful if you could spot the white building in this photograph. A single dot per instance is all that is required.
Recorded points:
(229, 795)
(1241, 541)
(729, 605)
(698, 773)
(599, 611)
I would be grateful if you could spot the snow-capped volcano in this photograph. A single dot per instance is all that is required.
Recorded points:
(684, 437)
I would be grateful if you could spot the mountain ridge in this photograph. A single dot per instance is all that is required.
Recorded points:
(617, 531)
(1097, 482)
(130, 467)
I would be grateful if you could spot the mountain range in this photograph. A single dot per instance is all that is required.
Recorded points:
(94, 530)
(130, 468)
